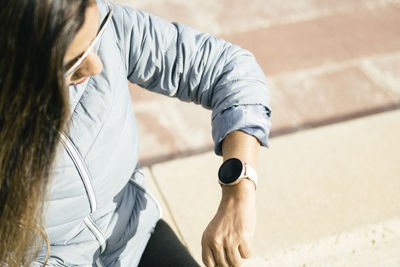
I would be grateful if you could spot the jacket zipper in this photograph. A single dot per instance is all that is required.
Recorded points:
(81, 167)
(96, 232)
(84, 174)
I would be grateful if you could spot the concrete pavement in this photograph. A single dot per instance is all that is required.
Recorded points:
(327, 196)
(329, 193)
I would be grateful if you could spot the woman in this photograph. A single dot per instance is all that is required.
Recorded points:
(69, 143)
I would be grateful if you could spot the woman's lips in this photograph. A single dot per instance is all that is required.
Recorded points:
(80, 81)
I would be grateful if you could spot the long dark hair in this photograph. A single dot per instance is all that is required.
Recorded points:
(34, 37)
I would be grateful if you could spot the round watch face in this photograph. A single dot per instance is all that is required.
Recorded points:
(230, 171)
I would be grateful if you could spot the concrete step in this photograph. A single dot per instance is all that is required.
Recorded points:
(329, 196)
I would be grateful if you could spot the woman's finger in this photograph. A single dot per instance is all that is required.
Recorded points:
(207, 257)
(233, 256)
(219, 255)
(245, 247)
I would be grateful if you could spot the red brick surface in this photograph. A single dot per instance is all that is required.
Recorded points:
(332, 94)
(285, 116)
(385, 70)
(322, 41)
(139, 95)
(169, 128)
(226, 16)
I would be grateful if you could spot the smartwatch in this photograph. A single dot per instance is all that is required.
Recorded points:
(233, 170)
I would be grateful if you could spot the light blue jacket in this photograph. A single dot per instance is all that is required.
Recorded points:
(97, 210)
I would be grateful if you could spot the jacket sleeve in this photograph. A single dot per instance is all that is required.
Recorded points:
(177, 61)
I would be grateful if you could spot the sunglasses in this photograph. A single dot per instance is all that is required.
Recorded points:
(72, 66)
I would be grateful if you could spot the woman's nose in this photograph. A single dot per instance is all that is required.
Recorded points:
(92, 65)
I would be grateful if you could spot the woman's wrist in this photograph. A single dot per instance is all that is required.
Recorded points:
(245, 188)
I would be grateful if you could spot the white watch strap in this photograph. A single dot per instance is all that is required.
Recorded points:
(250, 173)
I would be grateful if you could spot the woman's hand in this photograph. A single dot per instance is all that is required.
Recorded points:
(228, 238)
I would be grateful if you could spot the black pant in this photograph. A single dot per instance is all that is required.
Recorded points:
(165, 249)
